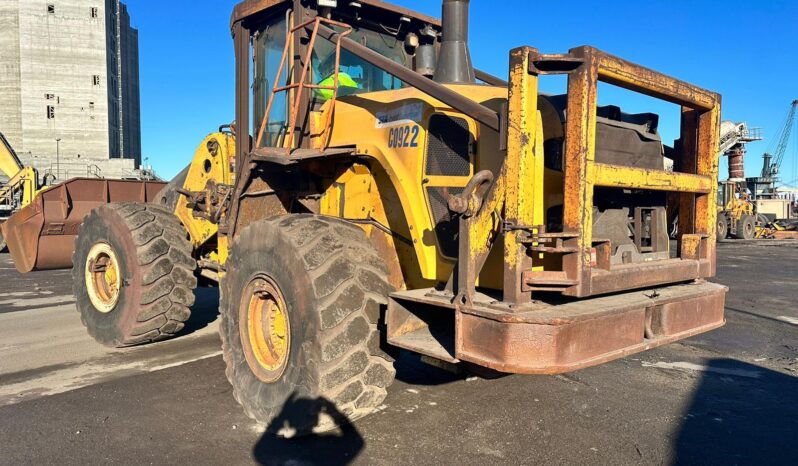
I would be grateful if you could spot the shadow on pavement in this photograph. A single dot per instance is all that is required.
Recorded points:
(758, 316)
(204, 311)
(337, 447)
(740, 414)
(410, 369)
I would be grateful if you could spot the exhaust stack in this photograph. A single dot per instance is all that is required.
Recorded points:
(454, 60)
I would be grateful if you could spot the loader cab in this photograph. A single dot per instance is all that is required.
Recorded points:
(356, 76)
(402, 36)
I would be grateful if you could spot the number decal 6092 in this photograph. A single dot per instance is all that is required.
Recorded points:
(403, 136)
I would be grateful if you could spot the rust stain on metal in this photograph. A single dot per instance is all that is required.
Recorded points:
(642, 178)
(695, 179)
(41, 236)
(553, 339)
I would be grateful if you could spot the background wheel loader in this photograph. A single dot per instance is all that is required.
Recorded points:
(21, 187)
(476, 223)
(736, 217)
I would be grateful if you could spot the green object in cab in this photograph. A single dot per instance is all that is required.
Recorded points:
(344, 80)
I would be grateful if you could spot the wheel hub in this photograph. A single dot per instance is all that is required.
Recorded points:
(266, 334)
(103, 277)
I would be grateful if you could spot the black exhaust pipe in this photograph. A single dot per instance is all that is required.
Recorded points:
(454, 60)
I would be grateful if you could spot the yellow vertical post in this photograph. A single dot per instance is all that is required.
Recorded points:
(707, 165)
(580, 153)
(523, 176)
(688, 161)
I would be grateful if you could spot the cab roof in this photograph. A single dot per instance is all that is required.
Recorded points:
(249, 8)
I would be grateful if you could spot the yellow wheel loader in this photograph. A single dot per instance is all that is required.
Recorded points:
(429, 207)
(736, 216)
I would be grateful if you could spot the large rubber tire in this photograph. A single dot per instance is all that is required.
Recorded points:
(2, 243)
(722, 229)
(157, 274)
(334, 286)
(746, 227)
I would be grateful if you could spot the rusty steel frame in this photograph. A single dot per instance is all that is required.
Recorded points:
(550, 339)
(519, 335)
(586, 270)
(582, 173)
(241, 46)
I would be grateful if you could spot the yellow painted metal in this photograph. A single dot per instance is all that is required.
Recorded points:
(22, 180)
(25, 182)
(268, 326)
(625, 74)
(691, 246)
(385, 191)
(212, 164)
(399, 172)
(102, 277)
(222, 249)
(523, 171)
(355, 195)
(707, 165)
(639, 178)
(9, 163)
(736, 208)
(350, 195)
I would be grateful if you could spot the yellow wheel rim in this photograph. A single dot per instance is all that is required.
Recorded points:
(103, 277)
(267, 329)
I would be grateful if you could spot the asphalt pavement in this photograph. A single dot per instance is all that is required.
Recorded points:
(726, 397)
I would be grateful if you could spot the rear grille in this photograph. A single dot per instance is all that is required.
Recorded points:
(448, 144)
(446, 224)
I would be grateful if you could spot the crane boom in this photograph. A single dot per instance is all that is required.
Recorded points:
(773, 163)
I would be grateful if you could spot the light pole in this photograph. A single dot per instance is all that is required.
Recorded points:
(58, 158)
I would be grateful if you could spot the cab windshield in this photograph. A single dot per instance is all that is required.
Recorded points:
(356, 76)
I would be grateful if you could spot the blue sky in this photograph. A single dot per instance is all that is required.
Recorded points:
(746, 50)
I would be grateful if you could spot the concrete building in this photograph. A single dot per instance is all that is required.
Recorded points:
(69, 86)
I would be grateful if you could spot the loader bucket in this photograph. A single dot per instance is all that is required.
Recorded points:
(41, 236)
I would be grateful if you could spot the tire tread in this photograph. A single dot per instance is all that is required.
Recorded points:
(356, 373)
(167, 267)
